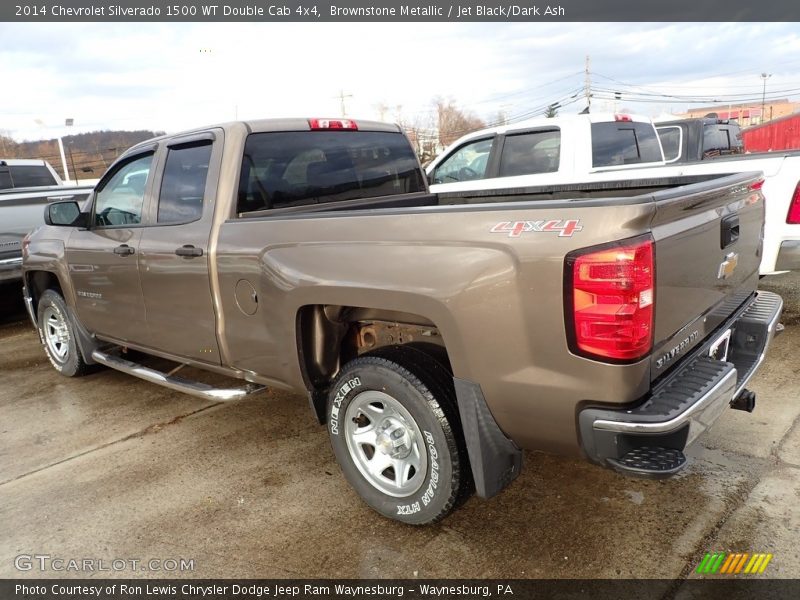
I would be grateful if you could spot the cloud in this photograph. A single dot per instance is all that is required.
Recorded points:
(175, 76)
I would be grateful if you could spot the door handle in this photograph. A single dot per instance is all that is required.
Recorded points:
(729, 231)
(189, 251)
(124, 250)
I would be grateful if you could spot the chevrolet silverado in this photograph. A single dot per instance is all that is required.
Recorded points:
(436, 336)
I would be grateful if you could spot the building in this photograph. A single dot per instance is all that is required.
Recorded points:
(779, 134)
(747, 114)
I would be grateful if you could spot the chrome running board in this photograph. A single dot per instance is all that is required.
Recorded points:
(187, 386)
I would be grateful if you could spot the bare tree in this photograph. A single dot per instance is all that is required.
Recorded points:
(420, 132)
(7, 144)
(454, 122)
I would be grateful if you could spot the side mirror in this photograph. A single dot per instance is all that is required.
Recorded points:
(64, 214)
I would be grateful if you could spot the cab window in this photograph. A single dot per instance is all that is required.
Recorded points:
(530, 153)
(624, 143)
(121, 197)
(183, 185)
(467, 163)
(671, 141)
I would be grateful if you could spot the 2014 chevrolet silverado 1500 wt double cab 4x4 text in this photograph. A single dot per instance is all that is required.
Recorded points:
(436, 336)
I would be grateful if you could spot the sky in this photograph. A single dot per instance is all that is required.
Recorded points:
(169, 77)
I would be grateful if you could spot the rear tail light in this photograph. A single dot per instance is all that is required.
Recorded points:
(623, 118)
(332, 124)
(610, 296)
(793, 217)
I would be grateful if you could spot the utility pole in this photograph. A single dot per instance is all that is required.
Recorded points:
(587, 83)
(764, 76)
(341, 97)
(72, 162)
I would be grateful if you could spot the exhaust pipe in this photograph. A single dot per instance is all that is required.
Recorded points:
(746, 400)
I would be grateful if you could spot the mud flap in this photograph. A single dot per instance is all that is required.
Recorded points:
(496, 461)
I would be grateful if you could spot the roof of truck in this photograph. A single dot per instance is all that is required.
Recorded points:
(268, 125)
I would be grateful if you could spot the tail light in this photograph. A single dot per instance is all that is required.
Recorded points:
(610, 296)
(623, 118)
(793, 217)
(316, 124)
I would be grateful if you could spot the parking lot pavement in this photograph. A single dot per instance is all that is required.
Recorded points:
(110, 467)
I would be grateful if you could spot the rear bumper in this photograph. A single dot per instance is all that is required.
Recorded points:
(788, 256)
(11, 269)
(649, 439)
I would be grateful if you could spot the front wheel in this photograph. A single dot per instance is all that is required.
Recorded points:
(58, 335)
(394, 429)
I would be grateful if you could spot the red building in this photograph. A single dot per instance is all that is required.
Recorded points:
(780, 134)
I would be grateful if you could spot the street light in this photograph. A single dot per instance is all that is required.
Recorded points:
(764, 76)
(67, 123)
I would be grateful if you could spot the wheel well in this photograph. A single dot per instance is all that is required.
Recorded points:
(38, 282)
(329, 336)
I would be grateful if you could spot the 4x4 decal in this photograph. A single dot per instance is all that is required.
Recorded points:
(564, 227)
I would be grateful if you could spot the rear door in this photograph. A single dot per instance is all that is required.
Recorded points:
(174, 249)
(102, 259)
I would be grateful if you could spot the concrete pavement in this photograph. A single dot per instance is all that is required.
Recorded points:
(110, 467)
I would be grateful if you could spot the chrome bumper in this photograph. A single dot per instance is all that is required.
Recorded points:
(788, 256)
(691, 398)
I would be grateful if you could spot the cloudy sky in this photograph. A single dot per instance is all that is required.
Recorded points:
(174, 76)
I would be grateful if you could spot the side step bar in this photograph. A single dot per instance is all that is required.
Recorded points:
(173, 382)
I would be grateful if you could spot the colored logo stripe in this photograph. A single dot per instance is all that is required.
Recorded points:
(733, 563)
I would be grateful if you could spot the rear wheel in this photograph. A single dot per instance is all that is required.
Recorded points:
(58, 335)
(394, 429)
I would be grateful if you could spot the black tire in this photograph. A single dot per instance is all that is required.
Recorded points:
(423, 389)
(53, 318)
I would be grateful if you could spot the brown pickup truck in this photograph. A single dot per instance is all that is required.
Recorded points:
(435, 335)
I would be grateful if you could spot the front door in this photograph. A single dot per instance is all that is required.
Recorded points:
(103, 259)
(174, 251)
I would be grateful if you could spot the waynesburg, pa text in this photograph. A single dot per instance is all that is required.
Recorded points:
(287, 590)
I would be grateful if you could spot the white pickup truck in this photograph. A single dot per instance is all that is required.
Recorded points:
(604, 147)
(25, 187)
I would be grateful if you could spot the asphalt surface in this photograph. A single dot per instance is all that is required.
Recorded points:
(108, 467)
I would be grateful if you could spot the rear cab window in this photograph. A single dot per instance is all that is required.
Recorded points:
(720, 140)
(23, 176)
(299, 168)
(621, 143)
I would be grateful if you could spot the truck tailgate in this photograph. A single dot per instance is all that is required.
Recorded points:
(707, 254)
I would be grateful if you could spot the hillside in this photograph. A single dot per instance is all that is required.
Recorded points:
(87, 154)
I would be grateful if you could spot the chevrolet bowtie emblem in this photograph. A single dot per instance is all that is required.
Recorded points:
(728, 266)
